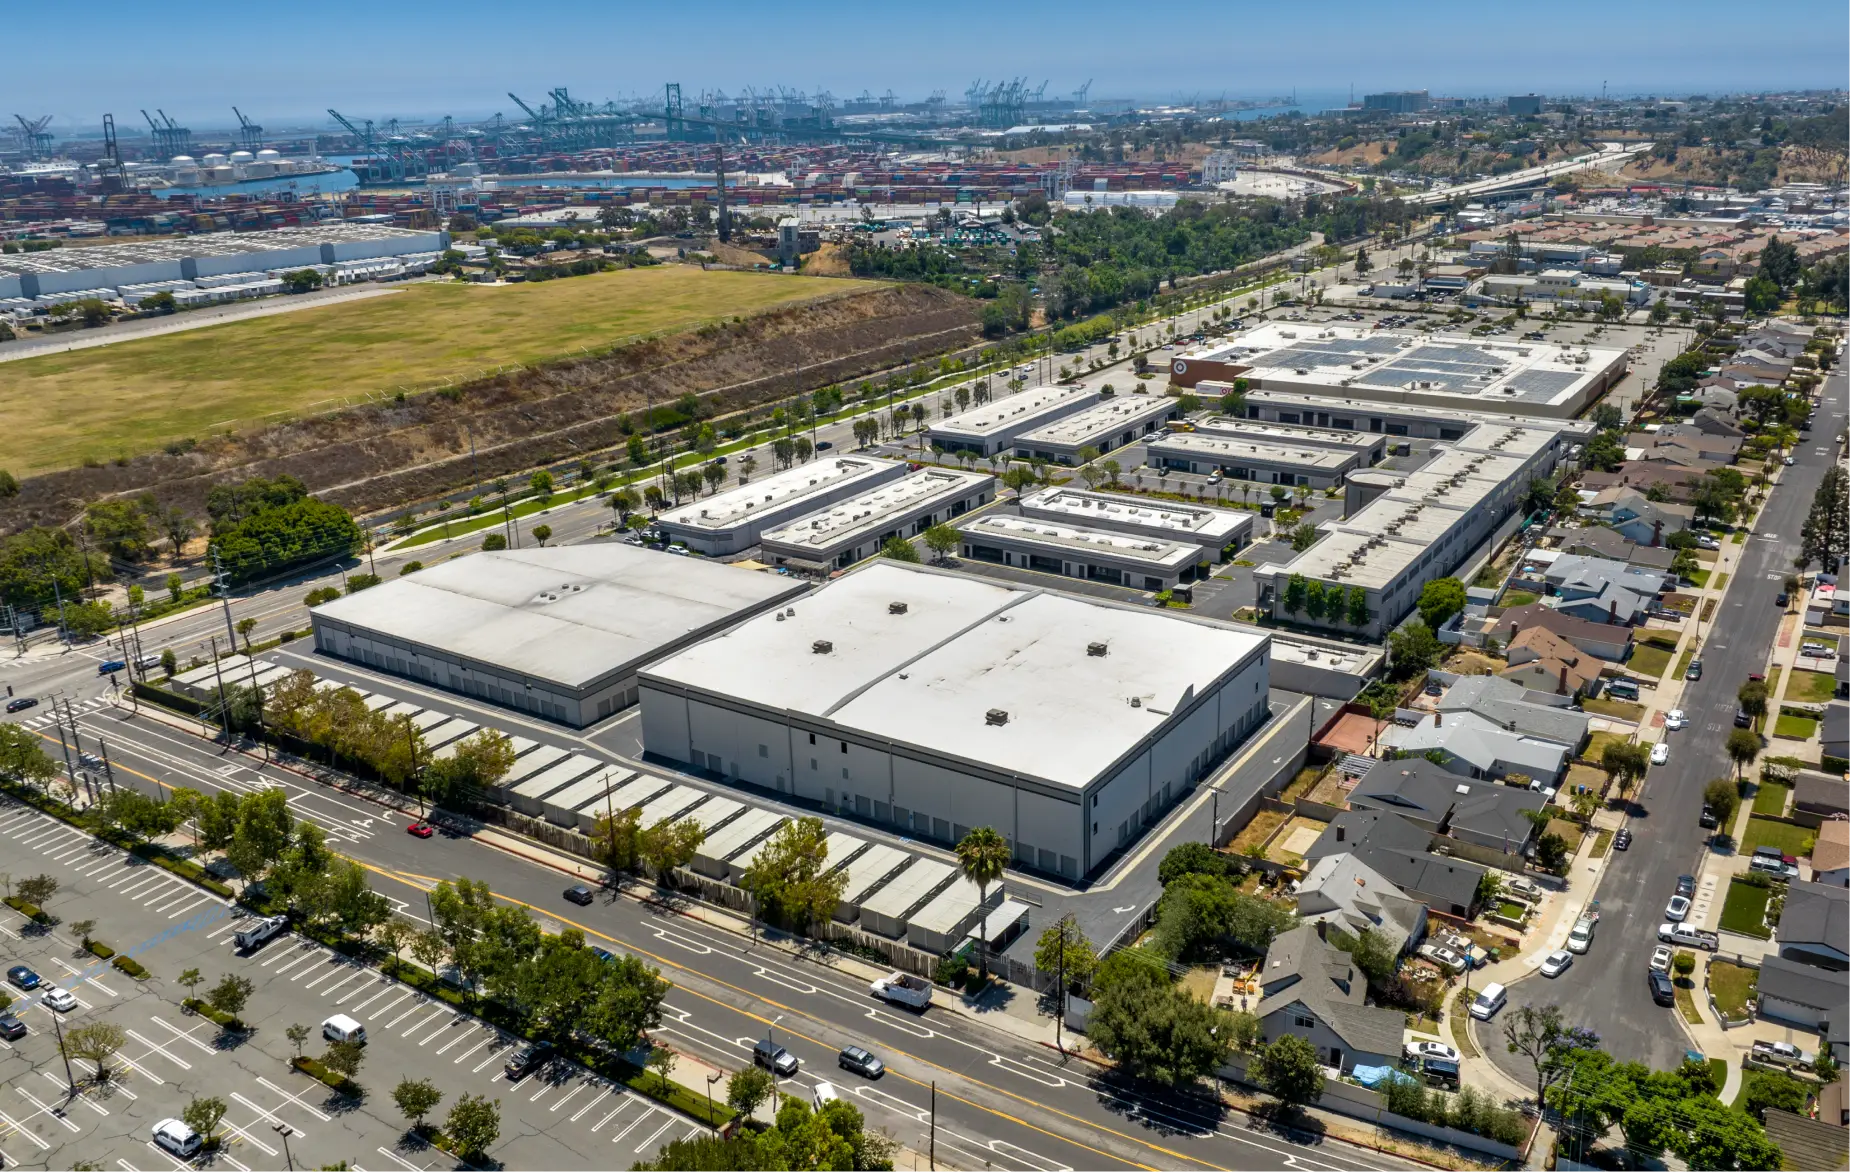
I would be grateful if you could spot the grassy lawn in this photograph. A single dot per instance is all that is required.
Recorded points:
(1811, 687)
(1618, 709)
(1300, 785)
(1771, 799)
(1718, 1071)
(1567, 830)
(1766, 832)
(1257, 831)
(1799, 728)
(1512, 910)
(1650, 660)
(1745, 911)
(1686, 1001)
(1740, 537)
(1518, 598)
(1732, 985)
(1683, 661)
(134, 396)
(1597, 742)
(1461, 1024)
(1699, 577)
(1721, 583)
(1602, 844)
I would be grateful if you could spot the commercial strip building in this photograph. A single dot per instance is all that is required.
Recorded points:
(1401, 530)
(732, 521)
(996, 425)
(1110, 424)
(1072, 551)
(931, 703)
(1527, 378)
(558, 633)
(1244, 459)
(1370, 447)
(1413, 420)
(1219, 532)
(857, 527)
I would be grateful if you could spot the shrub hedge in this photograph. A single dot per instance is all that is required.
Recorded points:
(100, 950)
(31, 911)
(228, 1021)
(129, 966)
(314, 1069)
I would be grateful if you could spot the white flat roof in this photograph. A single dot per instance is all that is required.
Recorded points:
(1370, 561)
(1288, 433)
(1228, 448)
(747, 827)
(528, 764)
(1104, 420)
(550, 781)
(873, 511)
(1173, 517)
(929, 675)
(777, 492)
(1339, 404)
(1013, 410)
(949, 907)
(569, 615)
(1077, 539)
(869, 867)
(669, 806)
(909, 888)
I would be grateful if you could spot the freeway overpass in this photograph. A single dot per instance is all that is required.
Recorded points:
(1610, 154)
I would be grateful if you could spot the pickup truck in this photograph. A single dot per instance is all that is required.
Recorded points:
(1676, 933)
(903, 989)
(1784, 1053)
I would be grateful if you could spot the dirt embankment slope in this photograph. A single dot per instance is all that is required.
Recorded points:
(380, 455)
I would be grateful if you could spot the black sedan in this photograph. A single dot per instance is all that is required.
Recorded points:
(527, 1059)
(22, 976)
(21, 703)
(11, 1028)
(1622, 840)
(1662, 990)
(579, 894)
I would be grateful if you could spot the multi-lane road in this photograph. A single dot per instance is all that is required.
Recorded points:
(1606, 990)
(1001, 1100)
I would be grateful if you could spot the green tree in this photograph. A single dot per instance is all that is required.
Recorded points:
(1743, 746)
(788, 880)
(1723, 797)
(1297, 590)
(297, 1033)
(747, 1090)
(1624, 763)
(900, 550)
(1303, 537)
(1066, 939)
(661, 1060)
(1440, 599)
(261, 834)
(668, 845)
(542, 533)
(96, 1043)
(1019, 477)
(416, 1098)
(1289, 1069)
(37, 890)
(344, 1058)
(1414, 648)
(204, 1115)
(474, 1124)
(1358, 614)
(942, 540)
(245, 627)
(1539, 1034)
(541, 484)
(984, 856)
(231, 994)
(1150, 1028)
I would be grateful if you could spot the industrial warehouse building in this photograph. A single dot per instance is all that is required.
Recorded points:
(1402, 530)
(856, 528)
(1245, 459)
(110, 266)
(994, 427)
(1073, 551)
(1111, 424)
(733, 521)
(1219, 532)
(1419, 421)
(931, 703)
(554, 632)
(1370, 448)
(1528, 378)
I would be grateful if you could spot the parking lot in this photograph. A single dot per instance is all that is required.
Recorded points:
(562, 1116)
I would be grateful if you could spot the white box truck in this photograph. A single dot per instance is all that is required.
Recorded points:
(903, 989)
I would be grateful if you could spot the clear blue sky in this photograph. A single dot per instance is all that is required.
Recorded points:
(285, 63)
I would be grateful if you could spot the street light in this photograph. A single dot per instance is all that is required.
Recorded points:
(711, 1079)
(284, 1130)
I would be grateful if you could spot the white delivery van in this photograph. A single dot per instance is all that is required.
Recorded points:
(341, 1028)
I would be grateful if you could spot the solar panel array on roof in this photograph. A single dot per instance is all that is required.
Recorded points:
(1543, 383)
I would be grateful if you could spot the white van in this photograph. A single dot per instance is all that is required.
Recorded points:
(341, 1028)
(825, 1094)
(177, 1138)
(1488, 1002)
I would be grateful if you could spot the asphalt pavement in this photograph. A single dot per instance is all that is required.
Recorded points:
(1606, 991)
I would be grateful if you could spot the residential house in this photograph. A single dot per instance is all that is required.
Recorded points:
(1574, 576)
(1834, 733)
(1604, 641)
(1436, 800)
(1471, 746)
(1805, 1142)
(1677, 482)
(1814, 928)
(1508, 704)
(1830, 854)
(1344, 891)
(1314, 990)
(1805, 996)
(1600, 542)
(1834, 1102)
(1398, 850)
(1679, 444)
(1542, 661)
(1712, 422)
(1639, 519)
(1613, 604)
(1823, 794)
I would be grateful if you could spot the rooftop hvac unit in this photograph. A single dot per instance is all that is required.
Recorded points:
(996, 716)
(822, 647)
(1096, 649)
(1301, 370)
(896, 608)
(780, 616)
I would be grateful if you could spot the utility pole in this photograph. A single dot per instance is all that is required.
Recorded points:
(257, 693)
(224, 596)
(58, 1028)
(224, 701)
(69, 771)
(932, 1154)
(1059, 1015)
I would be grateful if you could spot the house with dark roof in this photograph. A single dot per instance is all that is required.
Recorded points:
(1823, 794)
(1607, 641)
(1312, 989)
(1573, 576)
(1437, 800)
(1343, 891)
(1638, 518)
(1600, 542)
(1400, 852)
(1473, 747)
(1542, 661)
(1810, 998)
(1814, 928)
(1680, 443)
(1710, 421)
(1807, 1144)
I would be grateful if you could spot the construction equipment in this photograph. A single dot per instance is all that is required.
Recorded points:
(250, 135)
(379, 162)
(34, 140)
(170, 138)
(110, 169)
(1080, 94)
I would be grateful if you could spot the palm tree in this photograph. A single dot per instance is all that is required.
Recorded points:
(984, 855)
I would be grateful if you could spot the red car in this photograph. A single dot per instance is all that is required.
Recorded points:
(420, 830)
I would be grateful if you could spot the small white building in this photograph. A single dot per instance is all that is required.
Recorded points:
(1251, 459)
(1109, 424)
(732, 521)
(1219, 532)
(857, 527)
(995, 426)
(1073, 551)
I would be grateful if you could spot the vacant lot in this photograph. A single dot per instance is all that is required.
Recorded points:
(113, 400)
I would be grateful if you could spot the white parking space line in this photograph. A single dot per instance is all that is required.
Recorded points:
(236, 923)
(78, 973)
(309, 952)
(336, 968)
(293, 1098)
(543, 1088)
(13, 1126)
(387, 1153)
(596, 1101)
(60, 1084)
(187, 892)
(181, 1035)
(63, 855)
(379, 981)
(456, 1041)
(43, 1109)
(116, 1087)
(389, 986)
(266, 1113)
(461, 1058)
(161, 1049)
(164, 1154)
(477, 1068)
(634, 1123)
(363, 975)
(428, 1038)
(576, 1091)
(180, 911)
(420, 1003)
(664, 1127)
(248, 1138)
(140, 881)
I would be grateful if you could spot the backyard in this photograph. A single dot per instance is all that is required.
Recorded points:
(1745, 909)
(1732, 985)
(1254, 833)
(1650, 659)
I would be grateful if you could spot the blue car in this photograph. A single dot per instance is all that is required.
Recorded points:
(22, 976)
(111, 667)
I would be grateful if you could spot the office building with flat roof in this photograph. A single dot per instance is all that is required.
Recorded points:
(857, 527)
(558, 633)
(1412, 420)
(932, 702)
(996, 425)
(1219, 532)
(1246, 459)
(1073, 551)
(732, 521)
(1109, 424)
(1544, 379)
(1371, 448)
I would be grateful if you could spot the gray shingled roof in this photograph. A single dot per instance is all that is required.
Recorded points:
(1816, 913)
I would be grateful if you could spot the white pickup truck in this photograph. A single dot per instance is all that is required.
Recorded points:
(903, 989)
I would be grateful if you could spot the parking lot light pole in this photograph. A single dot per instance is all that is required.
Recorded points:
(58, 1028)
(711, 1079)
(284, 1130)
